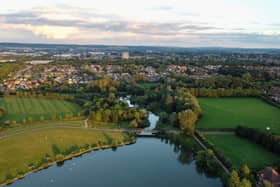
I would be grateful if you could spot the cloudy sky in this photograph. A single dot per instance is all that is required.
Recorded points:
(186, 23)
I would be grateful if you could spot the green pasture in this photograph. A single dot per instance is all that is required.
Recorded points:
(231, 112)
(241, 151)
(18, 109)
(17, 152)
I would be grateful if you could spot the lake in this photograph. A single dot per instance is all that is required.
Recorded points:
(150, 162)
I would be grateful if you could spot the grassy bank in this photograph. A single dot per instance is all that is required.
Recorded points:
(241, 151)
(23, 153)
(231, 112)
(36, 109)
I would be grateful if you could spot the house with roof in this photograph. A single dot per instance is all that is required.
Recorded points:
(269, 176)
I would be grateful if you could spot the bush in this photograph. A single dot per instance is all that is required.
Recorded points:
(72, 149)
(55, 150)
(59, 157)
(9, 177)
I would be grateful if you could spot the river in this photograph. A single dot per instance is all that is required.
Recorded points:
(150, 162)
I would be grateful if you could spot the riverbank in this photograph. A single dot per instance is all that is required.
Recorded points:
(149, 162)
(31, 150)
(68, 157)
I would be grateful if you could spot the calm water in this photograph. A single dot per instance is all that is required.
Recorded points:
(150, 163)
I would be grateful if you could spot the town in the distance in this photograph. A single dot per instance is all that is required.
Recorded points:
(98, 115)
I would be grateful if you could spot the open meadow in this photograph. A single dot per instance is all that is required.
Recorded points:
(231, 112)
(19, 151)
(241, 151)
(35, 109)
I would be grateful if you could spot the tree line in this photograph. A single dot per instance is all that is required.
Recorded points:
(264, 138)
(135, 117)
(37, 94)
(221, 92)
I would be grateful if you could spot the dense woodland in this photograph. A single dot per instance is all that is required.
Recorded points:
(111, 109)
(175, 106)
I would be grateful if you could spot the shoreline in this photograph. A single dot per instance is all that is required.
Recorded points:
(68, 157)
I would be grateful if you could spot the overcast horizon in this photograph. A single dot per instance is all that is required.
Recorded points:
(189, 23)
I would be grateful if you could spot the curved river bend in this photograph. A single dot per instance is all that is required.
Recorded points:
(150, 162)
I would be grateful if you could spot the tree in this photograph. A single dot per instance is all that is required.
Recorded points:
(169, 103)
(42, 118)
(133, 123)
(187, 120)
(245, 170)
(234, 180)
(115, 116)
(245, 183)
(2, 112)
(30, 119)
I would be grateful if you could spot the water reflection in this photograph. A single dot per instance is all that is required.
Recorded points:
(150, 162)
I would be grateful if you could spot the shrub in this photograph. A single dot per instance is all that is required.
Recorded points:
(55, 150)
(59, 157)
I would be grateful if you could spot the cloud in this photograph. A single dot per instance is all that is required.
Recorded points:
(54, 32)
(101, 22)
(80, 25)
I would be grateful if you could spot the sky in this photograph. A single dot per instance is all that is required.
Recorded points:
(182, 23)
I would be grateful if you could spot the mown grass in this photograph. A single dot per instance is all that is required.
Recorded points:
(231, 112)
(18, 109)
(241, 151)
(19, 151)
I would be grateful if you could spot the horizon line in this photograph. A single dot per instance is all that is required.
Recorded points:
(152, 46)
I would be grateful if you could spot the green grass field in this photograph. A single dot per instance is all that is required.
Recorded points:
(241, 151)
(231, 112)
(17, 109)
(20, 150)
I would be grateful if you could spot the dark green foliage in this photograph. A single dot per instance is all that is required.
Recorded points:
(266, 139)
(9, 177)
(72, 149)
(55, 150)
(222, 92)
(217, 152)
(108, 138)
(93, 145)
(42, 162)
(175, 106)
(111, 109)
(205, 161)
